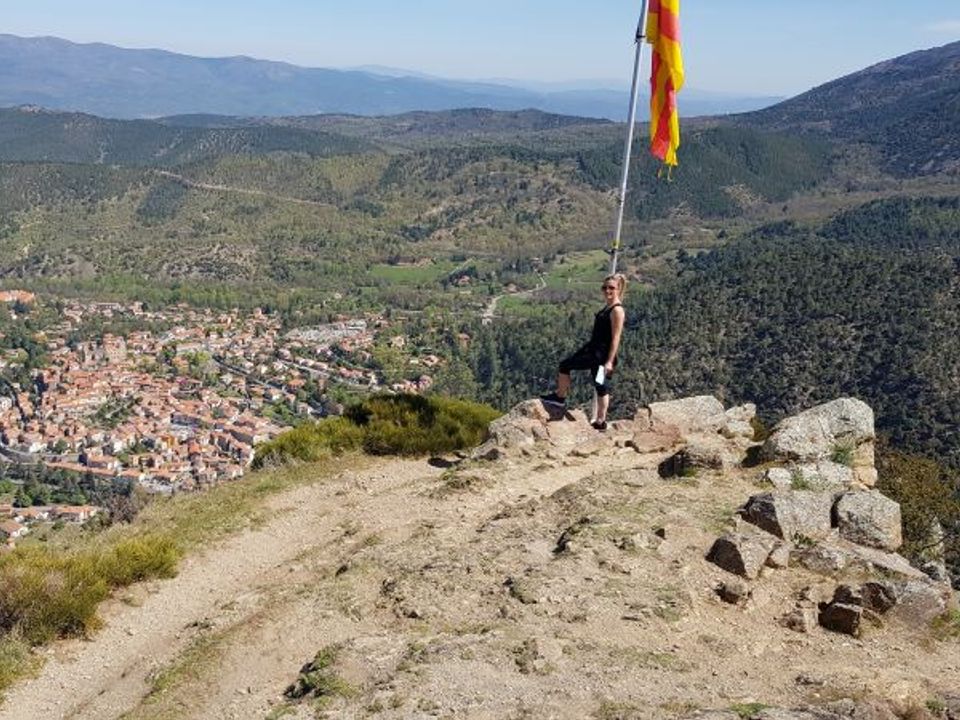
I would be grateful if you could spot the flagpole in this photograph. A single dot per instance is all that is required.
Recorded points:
(622, 199)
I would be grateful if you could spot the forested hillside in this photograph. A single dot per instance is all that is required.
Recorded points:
(868, 304)
(907, 109)
(33, 135)
(287, 202)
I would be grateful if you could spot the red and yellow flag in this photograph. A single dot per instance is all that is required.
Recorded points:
(666, 79)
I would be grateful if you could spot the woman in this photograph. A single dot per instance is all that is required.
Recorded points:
(599, 356)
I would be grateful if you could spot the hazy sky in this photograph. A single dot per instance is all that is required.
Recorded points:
(748, 46)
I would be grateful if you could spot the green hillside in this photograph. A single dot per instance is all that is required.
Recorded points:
(906, 109)
(314, 203)
(723, 169)
(29, 135)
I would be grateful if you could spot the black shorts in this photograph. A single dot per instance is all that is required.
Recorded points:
(588, 358)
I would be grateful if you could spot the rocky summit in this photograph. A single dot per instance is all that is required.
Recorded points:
(676, 566)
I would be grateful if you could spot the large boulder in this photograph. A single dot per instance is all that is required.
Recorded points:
(701, 414)
(651, 438)
(841, 430)
(520, 428)
(836, 555)
(876, 561)
(800, 514)
(702, 452)
(920, 602)
(739, 422)
(825, 475)
(826, 558)
(743, 553)
(531, 426)
(871, 519)
(821, 475)
(842, 618)
(915, 603)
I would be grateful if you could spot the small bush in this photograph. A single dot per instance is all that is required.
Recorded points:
(947, 626)
(798, 481)
(385, 425)
(44, 594)
(14, 659)
(310, 442)
(760, 430)
(139, 558)
(416, 425)
(319, 678)
(748, 710)
(842, 455)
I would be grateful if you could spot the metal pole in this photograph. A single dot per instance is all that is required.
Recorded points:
(622, 200)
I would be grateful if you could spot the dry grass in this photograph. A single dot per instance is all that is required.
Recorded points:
(54, 590)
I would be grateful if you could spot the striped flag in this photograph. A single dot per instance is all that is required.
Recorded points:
(663, 32)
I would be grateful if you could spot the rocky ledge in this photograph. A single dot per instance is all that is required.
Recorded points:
(817, 511)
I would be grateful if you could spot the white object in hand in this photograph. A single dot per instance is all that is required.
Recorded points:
(601, 375)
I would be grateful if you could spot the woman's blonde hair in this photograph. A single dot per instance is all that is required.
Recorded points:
(621, 280)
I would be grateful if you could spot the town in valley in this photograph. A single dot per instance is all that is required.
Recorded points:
(175, 406)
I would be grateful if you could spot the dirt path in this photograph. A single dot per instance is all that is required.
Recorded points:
(108, 676)
(250, 592)
(490, 311)
(241, 191)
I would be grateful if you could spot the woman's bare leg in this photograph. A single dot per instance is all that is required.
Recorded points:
(563, 384)
(602, 404)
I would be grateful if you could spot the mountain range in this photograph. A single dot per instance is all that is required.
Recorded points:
(125, 83)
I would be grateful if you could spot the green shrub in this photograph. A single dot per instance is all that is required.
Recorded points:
(319, 678)
(139, 558)
(947, 626)
(310, 442)
(417, 425)
(760, 430)
(385, 425)
(936, 706)
(927, 493)
(799, 481)
(748, 710)
(45, 594)
(14, 659)
(842, 454)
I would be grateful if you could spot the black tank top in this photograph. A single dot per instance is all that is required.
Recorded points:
(602, 336)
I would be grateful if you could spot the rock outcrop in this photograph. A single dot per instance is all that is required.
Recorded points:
(869, 518)
(823, 515)
(841, 430)
(742, 553)
(792, 515)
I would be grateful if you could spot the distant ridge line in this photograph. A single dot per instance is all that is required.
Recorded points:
(125, 83)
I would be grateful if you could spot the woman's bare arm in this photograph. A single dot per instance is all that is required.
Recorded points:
(616, 323)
